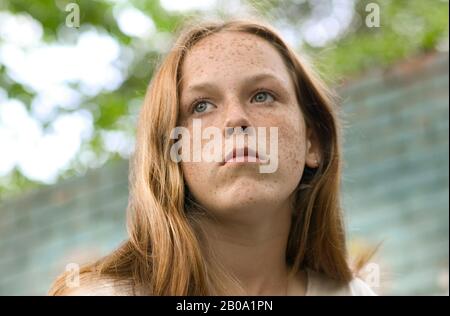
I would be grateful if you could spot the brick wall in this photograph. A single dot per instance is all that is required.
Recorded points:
(396, 172)
(395, 190)
(73, 221)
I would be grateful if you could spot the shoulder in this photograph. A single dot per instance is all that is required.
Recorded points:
(319, 284)
(92, 285)
(98, 288)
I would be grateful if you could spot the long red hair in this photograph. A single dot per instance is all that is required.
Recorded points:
(163, 253)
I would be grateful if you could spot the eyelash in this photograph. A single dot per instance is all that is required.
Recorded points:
(204, 99)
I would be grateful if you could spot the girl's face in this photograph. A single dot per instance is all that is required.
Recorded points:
(242, 81)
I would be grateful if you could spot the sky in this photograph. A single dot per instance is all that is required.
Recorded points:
(95, 61)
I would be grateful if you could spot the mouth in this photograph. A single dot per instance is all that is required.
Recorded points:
(242, 155)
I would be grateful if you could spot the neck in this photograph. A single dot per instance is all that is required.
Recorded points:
(253, 251)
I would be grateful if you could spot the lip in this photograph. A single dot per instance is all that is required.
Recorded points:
(246, 153)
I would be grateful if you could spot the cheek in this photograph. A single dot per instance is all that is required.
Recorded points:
(199, 176)
(291, 148)
(292, 144)
(195, 177)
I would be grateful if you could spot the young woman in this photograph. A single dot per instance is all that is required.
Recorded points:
(223, 227)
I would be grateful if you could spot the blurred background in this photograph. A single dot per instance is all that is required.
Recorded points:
(70, 91)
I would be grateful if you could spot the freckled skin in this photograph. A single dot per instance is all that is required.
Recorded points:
(242, 192)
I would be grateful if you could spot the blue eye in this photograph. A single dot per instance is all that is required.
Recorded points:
(201, 107)
(262, 96)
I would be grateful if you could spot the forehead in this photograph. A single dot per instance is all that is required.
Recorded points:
(227, 54)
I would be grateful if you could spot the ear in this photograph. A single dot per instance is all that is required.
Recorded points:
(313, 154)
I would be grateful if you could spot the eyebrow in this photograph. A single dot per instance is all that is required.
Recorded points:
(208, 86)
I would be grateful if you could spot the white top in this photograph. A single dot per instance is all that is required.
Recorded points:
(317, 285)
(321, 285)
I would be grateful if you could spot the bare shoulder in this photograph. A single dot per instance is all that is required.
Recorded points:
(98, 288)
(95, 286)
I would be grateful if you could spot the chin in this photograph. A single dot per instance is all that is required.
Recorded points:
(244, 200)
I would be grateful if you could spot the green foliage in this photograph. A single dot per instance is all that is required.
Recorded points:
(408, 27)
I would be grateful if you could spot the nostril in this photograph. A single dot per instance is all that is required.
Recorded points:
(229, 131)
(246, 130)
(242, 129)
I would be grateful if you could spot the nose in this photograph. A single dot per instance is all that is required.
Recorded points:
(236, 119)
